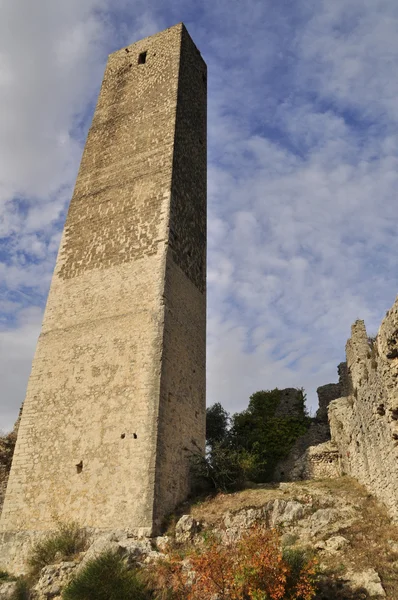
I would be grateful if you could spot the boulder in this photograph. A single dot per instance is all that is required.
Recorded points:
(369, 580)
(336, 543)
(8, 590)
(53, 578)
(162, 542)
(284, 513)
(134, 550)
(185, 529)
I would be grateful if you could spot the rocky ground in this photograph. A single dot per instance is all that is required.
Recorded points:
(356, 543)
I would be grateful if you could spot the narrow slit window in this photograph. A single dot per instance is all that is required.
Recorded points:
(142, 58)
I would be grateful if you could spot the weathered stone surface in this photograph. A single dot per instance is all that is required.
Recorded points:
(317, 462)
(336, 543)
(186, 528)
(135, 550)
(7, 590)
(15, 548)
(7, 446)
(284, 512)
(53, 579)
(364, 424)
(244, 518)
(116, 398)
(368, 580)
(162, 542)
(303, 462)
(290, 403)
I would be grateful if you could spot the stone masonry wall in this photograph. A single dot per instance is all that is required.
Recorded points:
(116, 395)
(364, 423)
(7, 446)
(303, 462)
(182, 412)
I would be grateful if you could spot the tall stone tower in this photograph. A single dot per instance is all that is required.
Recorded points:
(116, 398)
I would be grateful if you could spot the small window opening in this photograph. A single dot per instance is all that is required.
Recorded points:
(135, 436)
(127, 50)
(123, 436)
(79, 467)
(142, 58)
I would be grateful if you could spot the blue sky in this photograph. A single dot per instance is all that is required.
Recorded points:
(303, 141)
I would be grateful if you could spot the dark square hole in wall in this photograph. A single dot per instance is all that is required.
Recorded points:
(79, 467)
(142, 58)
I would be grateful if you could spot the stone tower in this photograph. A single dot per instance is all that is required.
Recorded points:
(116, 397)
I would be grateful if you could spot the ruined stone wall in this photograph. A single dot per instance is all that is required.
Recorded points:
(290, 403)
(364, 424)
(302, 462)
(116, 392)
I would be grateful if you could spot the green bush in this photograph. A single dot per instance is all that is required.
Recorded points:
(22, 591)
(220, 470)
(266, 436)
(224, 468)
(68, 540)
(4, 576)
(106, 578)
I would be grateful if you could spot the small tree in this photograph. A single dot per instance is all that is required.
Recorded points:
(217, 422)
(221, 469)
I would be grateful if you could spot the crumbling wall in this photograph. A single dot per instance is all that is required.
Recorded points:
(291, 404)
(364, 423)
(303, 462)
(317, 462)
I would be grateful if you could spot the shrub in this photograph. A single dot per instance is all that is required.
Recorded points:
(265, 435)
(224, 468)
(4, 576)
(297, 560)
(67, 540)
(106, 578)
(22, 591)
(253, 568)
(219, 469)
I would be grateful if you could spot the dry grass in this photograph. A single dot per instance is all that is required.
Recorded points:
(213, 508)
(370, 536)
(370, 545)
